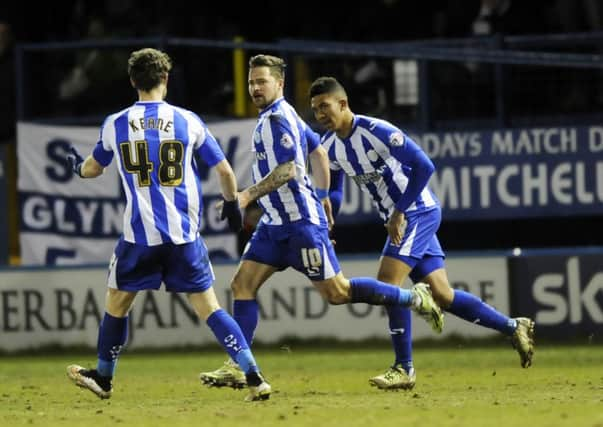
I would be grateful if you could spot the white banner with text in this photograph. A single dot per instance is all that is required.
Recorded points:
(66, 220)
(63, 306)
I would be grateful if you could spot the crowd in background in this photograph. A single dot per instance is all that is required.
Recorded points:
(75, 84)
(378, 20)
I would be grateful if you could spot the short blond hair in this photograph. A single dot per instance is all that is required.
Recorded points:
(274, 63)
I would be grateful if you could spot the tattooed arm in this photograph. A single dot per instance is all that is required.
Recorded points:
(279, 176)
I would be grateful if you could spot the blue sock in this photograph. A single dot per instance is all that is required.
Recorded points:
(401, 334)
(474, 310)
(229, 335)
(112, 337)
(246, 314)
(372, 291)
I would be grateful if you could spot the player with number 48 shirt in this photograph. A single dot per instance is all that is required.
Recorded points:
(154, 143)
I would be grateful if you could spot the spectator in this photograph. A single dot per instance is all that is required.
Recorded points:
(94, 74)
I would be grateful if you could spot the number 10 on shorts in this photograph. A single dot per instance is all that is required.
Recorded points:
(312, 260)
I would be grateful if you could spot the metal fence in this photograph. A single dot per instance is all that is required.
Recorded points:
(436, 84)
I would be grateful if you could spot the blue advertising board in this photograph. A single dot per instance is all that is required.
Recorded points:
(507, 173)
(562, 293)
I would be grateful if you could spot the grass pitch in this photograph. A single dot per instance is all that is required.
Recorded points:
(460, 386)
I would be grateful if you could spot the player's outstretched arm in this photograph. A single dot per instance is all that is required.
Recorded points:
(228, 180)
(230, 206)
(274, 180)
(88, 168)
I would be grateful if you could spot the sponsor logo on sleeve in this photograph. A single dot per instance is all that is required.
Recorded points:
(286, 141)
(396, 139)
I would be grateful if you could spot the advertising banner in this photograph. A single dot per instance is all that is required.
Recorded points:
(66, 220)
(562, 293)
(507, 173)
(64, 306)
(485, 175)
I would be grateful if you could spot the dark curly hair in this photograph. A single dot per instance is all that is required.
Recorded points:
(146, 68)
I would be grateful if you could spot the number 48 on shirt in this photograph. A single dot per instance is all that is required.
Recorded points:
(171, 155)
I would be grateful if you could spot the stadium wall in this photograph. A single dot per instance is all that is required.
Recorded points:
(63, 306)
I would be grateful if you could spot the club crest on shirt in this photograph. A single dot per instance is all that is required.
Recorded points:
(396, 139)
(257, 138)
(286, 141)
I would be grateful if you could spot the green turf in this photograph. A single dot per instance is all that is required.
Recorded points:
(317, 387)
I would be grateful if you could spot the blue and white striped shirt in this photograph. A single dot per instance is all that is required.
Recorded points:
(380, 158)
(154, 144)
(280, 136)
